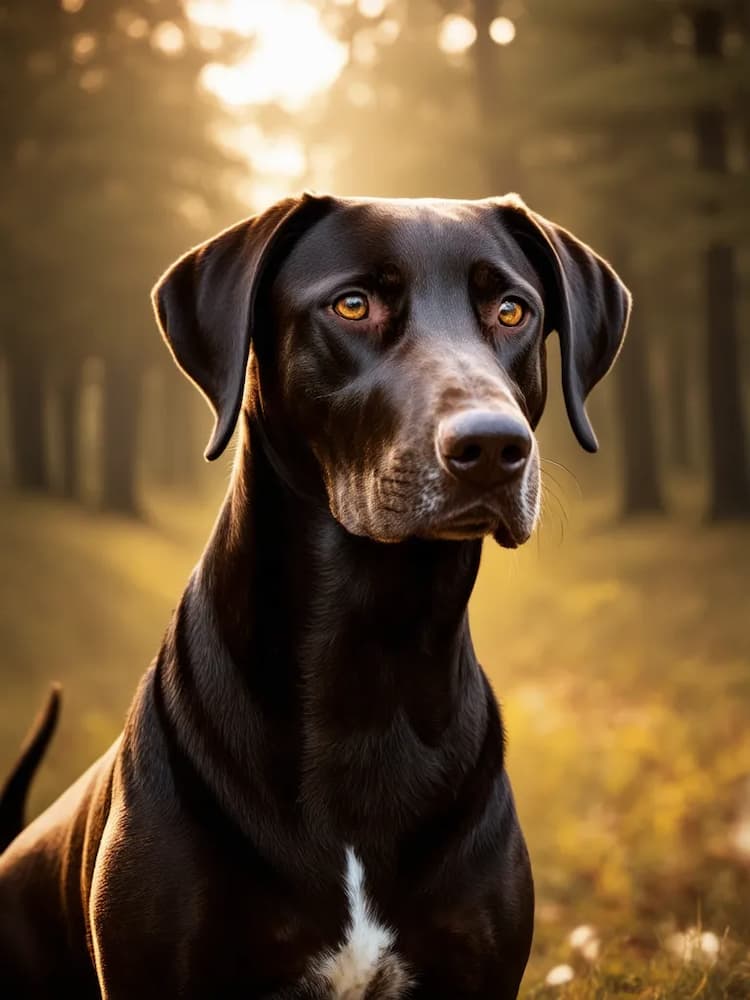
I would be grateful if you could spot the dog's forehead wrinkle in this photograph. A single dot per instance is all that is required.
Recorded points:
(332, 253)
(435, 234)
(429, 243)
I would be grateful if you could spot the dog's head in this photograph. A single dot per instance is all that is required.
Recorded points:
(397, 351)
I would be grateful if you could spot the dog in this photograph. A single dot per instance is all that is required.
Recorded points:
(309, 797)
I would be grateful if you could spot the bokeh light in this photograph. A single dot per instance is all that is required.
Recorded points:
(133, 25)
(502, 31)
(92, 80)
(364, 48)
(371, 8)
(388, 30)
(457, 34)
(169, 38)
(84, 46)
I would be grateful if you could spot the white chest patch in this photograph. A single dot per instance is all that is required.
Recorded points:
(364, 966)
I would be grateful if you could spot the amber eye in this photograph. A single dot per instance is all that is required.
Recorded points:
(353, 305)
(511, 312)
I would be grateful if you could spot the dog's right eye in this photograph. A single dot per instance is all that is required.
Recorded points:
(511, 312)
(353, 305)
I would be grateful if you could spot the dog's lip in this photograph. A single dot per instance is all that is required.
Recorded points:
(505, 537)
(463, 532)
(478, 521)
(475, 521)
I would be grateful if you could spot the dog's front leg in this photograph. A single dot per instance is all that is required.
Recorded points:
(115, 953)
(134, 917)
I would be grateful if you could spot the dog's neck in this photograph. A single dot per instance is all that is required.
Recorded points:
(325, 654)
(295, 594)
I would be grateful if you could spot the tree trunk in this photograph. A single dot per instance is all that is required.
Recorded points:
(727, 440)
(69, 390)
(120, 410)
(179, 455)
(678, 389)
(641, 491)
(26, 408)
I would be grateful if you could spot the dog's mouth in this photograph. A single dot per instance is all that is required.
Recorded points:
(506, 538)
(478, 523)
(404, 505)
(462, 531)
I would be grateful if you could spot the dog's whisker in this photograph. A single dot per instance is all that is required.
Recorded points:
(548, 494)
(564, 468)
(548, 476)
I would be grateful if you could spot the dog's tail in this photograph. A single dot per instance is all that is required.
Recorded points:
(16, 787)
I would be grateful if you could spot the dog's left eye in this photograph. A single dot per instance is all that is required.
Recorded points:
(353, 306)
(511, 312)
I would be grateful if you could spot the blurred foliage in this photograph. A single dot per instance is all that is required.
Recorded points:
(111, 170)
(622, 662)
(110, 160)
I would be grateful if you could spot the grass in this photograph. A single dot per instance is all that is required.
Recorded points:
(621, 657)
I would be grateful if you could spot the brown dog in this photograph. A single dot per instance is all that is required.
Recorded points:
(309, 798)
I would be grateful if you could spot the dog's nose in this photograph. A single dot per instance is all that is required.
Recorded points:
(484, 447)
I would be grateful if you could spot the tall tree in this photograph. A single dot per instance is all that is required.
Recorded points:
(28, 36)
(641, 485)
(594, 108)
(728, 454)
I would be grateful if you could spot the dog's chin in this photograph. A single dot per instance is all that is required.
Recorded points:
(508, 538)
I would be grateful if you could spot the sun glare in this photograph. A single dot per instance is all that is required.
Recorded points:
(279, 155)
(291, 57)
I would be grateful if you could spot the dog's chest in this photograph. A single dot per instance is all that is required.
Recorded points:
(365, 964)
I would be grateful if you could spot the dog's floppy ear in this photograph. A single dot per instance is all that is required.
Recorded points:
(205, 304)
(587, 304)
